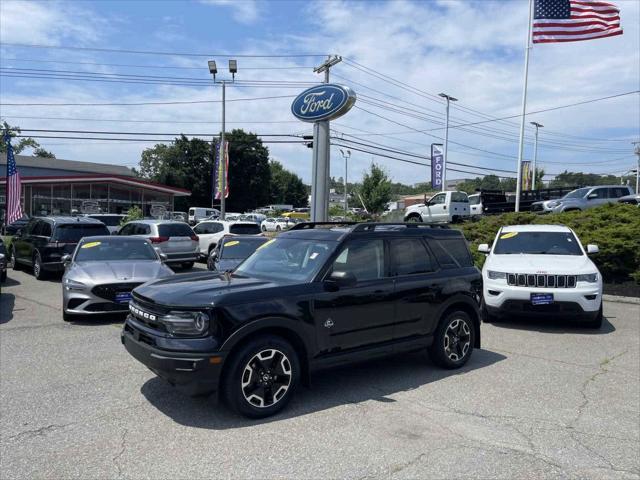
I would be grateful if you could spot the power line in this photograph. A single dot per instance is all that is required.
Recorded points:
(113, 120)
(189, 102)
(103, 132)
(148, 140)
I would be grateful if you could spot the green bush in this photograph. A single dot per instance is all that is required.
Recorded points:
(615, 228)
(134, 213)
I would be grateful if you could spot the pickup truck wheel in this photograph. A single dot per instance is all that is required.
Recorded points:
(415, 218)
(38, 270)
(453, 341)
(262, 377)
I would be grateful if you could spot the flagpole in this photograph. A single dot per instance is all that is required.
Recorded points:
(7, 139)
(524, 108)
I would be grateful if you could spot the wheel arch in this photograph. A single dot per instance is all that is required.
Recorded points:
(467, 305)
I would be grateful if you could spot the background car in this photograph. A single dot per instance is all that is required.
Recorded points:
(633, 199)
(444, 207)
(111, 220)
(583, 198)
(197, 214)
(232, 250)
(272, 224)
(175, 239)
(211, 231)
(44, 240)
(102, 271)
(13, 228)
(3, 261)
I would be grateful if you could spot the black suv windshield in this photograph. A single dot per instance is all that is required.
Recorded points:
(73, 232)
(115, 249)
(287, 259)
(233, 248)
(542, 243)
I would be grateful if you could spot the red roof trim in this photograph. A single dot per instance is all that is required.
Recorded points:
(115, 178)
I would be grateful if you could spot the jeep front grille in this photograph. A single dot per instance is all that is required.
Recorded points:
(541, 281)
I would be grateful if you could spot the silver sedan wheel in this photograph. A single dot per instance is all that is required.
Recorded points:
(266, 378)
(457, 339)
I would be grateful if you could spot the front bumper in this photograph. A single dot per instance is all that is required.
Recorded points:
(190, 372)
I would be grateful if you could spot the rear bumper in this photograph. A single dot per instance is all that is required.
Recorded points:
(191, 373)
(183, 257)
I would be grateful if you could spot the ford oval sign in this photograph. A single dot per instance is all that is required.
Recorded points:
(323, 102)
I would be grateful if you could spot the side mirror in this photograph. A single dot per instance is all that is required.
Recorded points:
(342, 279)
(66, 259)
(592, 249)
(591, 196)
(484, 248)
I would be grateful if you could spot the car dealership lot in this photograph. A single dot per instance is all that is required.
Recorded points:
(539, 400)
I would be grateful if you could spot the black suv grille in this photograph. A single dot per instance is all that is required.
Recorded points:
(109, 290)
(541, 281)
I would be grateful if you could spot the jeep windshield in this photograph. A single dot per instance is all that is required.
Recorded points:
(287, 259)
(537, 243)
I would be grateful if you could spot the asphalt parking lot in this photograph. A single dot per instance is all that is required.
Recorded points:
(540, 400)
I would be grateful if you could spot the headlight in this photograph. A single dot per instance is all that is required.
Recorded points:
(588, 277)
(186, 323)
(553, 203)
(496, 275)
(73, 285)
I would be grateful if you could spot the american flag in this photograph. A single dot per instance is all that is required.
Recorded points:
(14, 186)
(574, 20)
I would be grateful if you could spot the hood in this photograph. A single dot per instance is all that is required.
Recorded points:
(415, 208)
(550, 264)
(199, 289)
(118, 271)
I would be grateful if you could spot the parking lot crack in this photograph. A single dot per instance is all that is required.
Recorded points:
(37, 432)
(123, 446)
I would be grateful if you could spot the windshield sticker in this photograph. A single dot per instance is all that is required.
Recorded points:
(90, 244)
(265, 244)
(232, 243)
(508, 235)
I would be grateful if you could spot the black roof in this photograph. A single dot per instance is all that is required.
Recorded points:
(61, 220)
(339, 230)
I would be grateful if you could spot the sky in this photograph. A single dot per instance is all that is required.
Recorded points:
(397, 56)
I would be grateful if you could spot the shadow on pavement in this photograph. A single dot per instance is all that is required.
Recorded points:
(94, 320)
(554, 326)
(7, 302)
(352, 384)
(10, 282)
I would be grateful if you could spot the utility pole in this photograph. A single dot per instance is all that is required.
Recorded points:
(449, 99)
(535, 154)
(637, 152)
(346, 173)
(321, 155)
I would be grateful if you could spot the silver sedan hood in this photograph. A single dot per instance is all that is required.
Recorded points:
(117, 271)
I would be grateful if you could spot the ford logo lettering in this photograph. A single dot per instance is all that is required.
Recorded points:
(323, 102)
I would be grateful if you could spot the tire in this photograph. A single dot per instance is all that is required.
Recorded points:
(263, 228)
(446, 351)
(14, 263)
(38, 270)
(187, 265)
(239, 383)
(414, 218)
(67, 317)
(597, 322)
(278, 228)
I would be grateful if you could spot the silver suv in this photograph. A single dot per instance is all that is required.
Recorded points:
(583, 198)
(174, 239)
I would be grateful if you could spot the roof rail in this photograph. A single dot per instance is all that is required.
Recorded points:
(310, 225)
(363, 227)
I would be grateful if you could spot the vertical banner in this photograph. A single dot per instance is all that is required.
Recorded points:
(437, 159)
(527, 175)
(218, 173)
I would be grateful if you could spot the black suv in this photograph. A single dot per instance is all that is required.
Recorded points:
(319, 295)
(43, 241)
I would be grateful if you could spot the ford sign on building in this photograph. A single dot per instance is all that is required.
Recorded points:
(324, 102)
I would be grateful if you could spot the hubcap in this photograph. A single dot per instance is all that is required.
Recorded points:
(36, 267)
(266, 378)
(457, 339)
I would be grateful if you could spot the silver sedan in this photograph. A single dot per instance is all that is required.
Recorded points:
(102, 271)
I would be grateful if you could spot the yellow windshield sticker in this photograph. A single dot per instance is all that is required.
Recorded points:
(508, 235)
(90, 244)
(232, 243)
(266, 243)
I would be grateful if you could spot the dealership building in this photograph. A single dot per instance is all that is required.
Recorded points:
(51, 186)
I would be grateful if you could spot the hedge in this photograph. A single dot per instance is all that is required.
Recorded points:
(615, 228)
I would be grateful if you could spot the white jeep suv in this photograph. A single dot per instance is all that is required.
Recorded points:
(541, 270)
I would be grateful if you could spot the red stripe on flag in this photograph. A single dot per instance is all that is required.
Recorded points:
(555, 40)
(576, 32)
(574, 24)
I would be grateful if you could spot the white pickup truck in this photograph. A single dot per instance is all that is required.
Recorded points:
(444, 207)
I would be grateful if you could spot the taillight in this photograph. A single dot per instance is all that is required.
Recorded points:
(158, 239)
(195, 238)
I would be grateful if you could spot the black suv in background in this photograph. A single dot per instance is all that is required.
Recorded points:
(319, 295)
(43, 241)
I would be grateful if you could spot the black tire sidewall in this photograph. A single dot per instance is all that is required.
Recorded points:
(231, 384)
(436, 350)
(38, 259)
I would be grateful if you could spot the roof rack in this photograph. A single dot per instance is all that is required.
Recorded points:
(310, 225)
(363, 227)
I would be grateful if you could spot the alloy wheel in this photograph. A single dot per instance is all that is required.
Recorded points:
(266, 378)
(457, 339)
(37, 267)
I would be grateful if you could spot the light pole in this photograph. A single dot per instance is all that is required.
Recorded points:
(637, 152)
(449, 99)
(346, 173)
(535, 154)
(213, 69)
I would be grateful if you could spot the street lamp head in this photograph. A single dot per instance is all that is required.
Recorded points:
(349, 152)
(448, 97)
(233, 66)
(212, 67)
(536, 124)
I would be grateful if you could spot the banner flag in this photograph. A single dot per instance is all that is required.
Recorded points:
(437, 160)
(527, 175)
(218, 173)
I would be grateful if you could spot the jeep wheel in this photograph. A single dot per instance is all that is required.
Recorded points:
(414, 218)
(38, 270)
(596, 323)
(453, 341)
(262, 377)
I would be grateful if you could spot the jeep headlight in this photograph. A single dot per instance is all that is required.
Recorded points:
(496, 275)
(588, 277)
(186, 323)
(553, 203)
(73, 285)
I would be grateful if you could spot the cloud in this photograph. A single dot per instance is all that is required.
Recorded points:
(243, 11)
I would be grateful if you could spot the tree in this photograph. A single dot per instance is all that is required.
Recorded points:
(41, 152)
(286, 187)
(375, 189)
(20, 145)
(249, 172)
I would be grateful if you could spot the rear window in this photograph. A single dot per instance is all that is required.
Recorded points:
(175, 230)
(245, 229)
(451, 252)
(459, 197)
(72, 233)
(108, 220)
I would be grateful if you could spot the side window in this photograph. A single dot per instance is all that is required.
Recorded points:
(45, 229)
(137, 229)
(363, 258)
(451, 253)
(36, 228)
(202, 228)
(126, 230)
(601, 192)
(29, 227)
(618, 192)
(216, 227)
(439, 199)
(409, 256)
